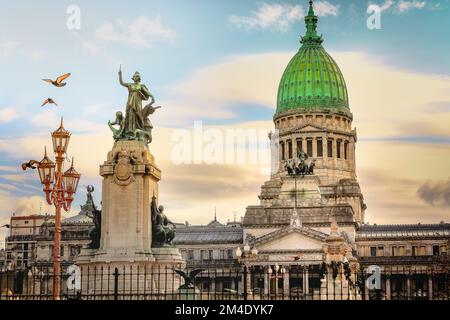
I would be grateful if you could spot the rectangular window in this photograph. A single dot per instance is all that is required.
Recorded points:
(299, 145)
(373, 251)
(345, 150)
(282, 151)
(190, 254)
(330, 148)
(230, 254)
(289, 149)
(436, 251)
(319, 148)
(422, 250)
(414, 251)
(210, 254)
(309, 148)
(338, 148)
(62, 251)
(380, 252)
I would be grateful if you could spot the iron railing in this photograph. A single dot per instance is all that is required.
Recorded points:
(295, 282)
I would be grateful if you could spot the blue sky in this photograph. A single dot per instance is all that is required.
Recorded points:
(181, 41)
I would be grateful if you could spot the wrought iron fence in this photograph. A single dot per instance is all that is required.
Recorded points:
(293, 282)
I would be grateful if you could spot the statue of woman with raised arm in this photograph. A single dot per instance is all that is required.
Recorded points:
(137, 92)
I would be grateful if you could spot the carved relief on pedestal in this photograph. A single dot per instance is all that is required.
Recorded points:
(123, 170)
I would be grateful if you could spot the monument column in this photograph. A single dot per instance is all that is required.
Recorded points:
(131, 231)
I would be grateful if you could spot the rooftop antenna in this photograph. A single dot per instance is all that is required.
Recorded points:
(215, 213)
(235, 214)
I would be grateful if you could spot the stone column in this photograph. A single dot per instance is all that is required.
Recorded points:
(314, 147)
(388, 288)
(353, 156)
(408, 287)
(213, 285)
(286, 282)
(306, 281)
(282, 150)
(430, 287)
(241, 284)
(294, 146)
(266, 282)
(304, 147)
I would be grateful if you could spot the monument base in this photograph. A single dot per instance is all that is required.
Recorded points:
(132, 278)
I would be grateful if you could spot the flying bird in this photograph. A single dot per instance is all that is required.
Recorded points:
(188, 278)
(32, 164)
(59, 81)
(50, 101)
(296, 258)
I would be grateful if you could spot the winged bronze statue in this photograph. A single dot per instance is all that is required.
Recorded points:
(188, 277)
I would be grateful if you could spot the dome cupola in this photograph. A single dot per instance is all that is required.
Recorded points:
(312, 80)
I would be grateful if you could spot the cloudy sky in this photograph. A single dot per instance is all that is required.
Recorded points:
(219, 62)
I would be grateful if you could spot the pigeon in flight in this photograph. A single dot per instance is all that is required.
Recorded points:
(59, 81)
(32, 164)
(48, 101)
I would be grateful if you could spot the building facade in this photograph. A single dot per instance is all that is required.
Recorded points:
(311, 210)
(30, 240)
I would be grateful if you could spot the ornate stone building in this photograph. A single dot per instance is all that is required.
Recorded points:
(312, 209)
(30, 240)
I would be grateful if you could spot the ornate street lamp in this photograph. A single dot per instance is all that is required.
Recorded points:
(59, 189)
(244, 256)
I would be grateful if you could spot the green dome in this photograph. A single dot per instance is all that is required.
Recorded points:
(312, 80)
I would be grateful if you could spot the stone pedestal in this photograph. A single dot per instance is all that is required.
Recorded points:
(130, 179)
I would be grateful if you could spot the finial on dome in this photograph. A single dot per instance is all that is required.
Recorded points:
(311, 20)
(311, 9)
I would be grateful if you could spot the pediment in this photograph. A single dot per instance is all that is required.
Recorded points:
(310, 127)
(291, 238)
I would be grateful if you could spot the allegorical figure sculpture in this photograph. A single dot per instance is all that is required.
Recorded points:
(163, 230)
(136, 124)
(298, 165)
(90, 209)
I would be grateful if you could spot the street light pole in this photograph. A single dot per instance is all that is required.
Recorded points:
(59, 189)
(243, 257)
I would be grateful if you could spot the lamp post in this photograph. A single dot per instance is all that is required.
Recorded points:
(59, 189)
(244, 256)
